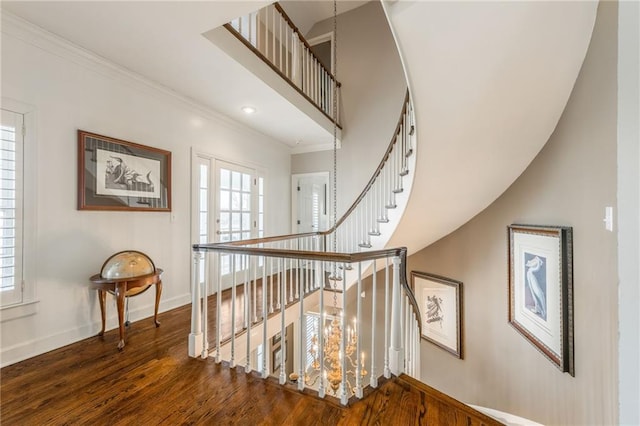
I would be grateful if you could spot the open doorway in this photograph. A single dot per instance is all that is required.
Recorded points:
(322, 47)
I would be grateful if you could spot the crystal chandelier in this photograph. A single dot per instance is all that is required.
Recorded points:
(333, 354)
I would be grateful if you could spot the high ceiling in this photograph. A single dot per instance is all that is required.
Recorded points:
(162, 41)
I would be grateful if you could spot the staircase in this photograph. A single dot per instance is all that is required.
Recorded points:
(295, 278)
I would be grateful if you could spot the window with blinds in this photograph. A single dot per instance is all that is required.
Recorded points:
(11, 207)
(312, 324)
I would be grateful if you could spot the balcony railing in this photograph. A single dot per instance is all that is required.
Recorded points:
(271, 35)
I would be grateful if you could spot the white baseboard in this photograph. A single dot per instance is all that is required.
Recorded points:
(34, 347)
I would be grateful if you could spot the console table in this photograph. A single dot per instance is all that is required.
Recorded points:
(125, 287)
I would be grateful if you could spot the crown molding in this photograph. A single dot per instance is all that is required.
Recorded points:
(27, 32)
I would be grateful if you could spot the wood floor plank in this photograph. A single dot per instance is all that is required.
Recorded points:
(154, 382)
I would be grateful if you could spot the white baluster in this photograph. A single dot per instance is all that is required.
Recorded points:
(358, 333)
(302, 359)
(273, 35)
(344, 398)
(283, 376)
(195, 337)
(280, 43)
(245, 293)
(205, 310)
(287, 53)
(270, 286)
(255, 289)
(283, 276)
(396, 352)
(405, 331)
(218, 306)
(321, 322)
(247, 312)
(387, 323)
(232, 362)
(265, 371)
(374, 307)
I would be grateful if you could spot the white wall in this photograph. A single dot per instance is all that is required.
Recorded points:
(71, 89)
(629, 210)
(372, 95)
(570, 183)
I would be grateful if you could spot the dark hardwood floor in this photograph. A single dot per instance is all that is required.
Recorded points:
(153, 382)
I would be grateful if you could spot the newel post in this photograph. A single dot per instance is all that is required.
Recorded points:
(396, 351)
(196, 337)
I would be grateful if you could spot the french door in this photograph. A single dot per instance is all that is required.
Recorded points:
(230, 207)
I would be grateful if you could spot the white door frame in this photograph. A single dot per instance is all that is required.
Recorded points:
(321, 39)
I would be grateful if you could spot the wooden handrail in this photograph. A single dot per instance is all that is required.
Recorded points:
(322, 256)
(259, 54)
(302, 39)
(375, 174)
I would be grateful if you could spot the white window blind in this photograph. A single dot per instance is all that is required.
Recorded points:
(312, 323)
(11, 208)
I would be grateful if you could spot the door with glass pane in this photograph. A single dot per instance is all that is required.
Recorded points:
(228, 206)
(239, 211)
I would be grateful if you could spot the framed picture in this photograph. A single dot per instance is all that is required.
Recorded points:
(276, 338)
(440, 302)
(119, 175)
(277, 359)
(541, 289)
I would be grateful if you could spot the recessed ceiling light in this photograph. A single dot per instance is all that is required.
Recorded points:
(248, 109)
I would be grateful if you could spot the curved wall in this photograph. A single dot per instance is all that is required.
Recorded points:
(569, 183)
(489, 82)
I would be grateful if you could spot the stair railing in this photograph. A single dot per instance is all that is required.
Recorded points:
(274, 38)
(281, 276)
(273, 273)
(353, 231)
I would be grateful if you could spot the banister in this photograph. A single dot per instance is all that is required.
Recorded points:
(376, 173)
(301, 254)
(302, 39)
(314, 89)
(235, 248)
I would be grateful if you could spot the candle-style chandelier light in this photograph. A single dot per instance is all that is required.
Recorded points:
(333, 354)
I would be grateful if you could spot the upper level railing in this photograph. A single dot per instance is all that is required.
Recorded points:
(273, 37)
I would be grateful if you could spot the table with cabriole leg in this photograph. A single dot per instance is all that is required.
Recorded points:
(125, 287)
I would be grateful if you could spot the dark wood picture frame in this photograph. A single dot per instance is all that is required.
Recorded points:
(440, 302)
(541, 289)
(118, 175)
(276, 338)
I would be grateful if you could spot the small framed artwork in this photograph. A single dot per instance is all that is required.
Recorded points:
(440, 302)
(541, 289)
(277, 359)
(118, 175)
(276, 338)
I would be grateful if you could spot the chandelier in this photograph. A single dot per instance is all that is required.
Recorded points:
(333, 354)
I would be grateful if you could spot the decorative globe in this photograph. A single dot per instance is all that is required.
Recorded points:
(128, 264)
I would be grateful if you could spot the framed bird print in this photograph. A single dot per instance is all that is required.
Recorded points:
(541, 290)
(440, 303)
(118, 175)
